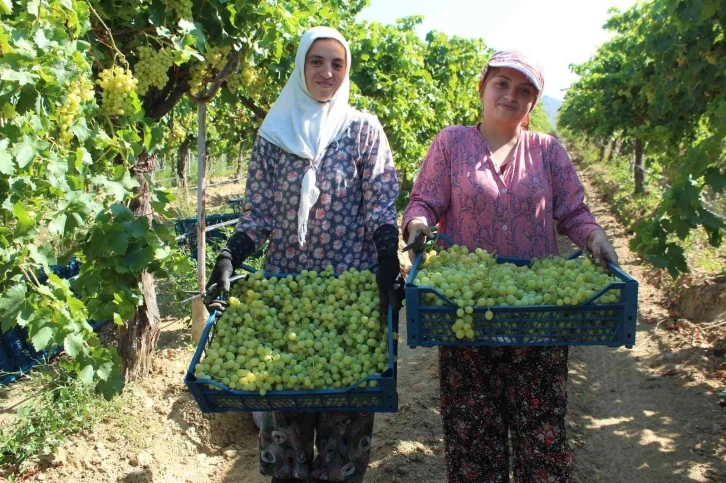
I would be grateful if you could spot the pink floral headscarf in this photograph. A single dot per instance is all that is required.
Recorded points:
(521, 61)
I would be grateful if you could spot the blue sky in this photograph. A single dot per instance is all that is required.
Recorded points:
(557, 32)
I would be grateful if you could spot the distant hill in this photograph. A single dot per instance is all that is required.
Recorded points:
(551, 106)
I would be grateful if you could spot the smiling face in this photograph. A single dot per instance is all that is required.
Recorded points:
(325, 68)
(507, 95)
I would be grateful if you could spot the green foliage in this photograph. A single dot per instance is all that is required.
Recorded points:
(116, 251)
(67, 145)
(64, 407)
(660, 79)
(415, 88)
(62, 166)
(616, 183)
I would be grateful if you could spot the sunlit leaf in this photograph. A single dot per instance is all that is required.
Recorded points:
(73, 344)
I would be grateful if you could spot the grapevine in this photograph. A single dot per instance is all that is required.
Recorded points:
(302, 332)
(647, 85)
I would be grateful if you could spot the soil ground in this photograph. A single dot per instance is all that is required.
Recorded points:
(649, 414)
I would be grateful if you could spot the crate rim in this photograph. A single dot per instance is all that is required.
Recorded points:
(625, 283)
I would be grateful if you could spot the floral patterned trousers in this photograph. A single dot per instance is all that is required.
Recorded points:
(343, 441)
(489, 395)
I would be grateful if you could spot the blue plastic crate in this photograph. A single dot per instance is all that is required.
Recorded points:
(63, 271)
(214, 397)
(15, 358)
(17, 353)
(188, 227)
(6, 364)
(236, 204)
(536, 325)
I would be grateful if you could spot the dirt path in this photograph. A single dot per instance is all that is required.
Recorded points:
(646, 415)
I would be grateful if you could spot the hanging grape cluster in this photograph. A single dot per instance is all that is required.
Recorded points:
(248, 79)
(182, 9)
(303, 332)
(119, 91)
(151, 69)
(204, 72)
(79, 92)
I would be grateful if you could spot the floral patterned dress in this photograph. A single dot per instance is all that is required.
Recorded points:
(489, 394)
(358, 191)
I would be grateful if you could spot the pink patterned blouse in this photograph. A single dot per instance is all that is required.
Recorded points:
(511, 211)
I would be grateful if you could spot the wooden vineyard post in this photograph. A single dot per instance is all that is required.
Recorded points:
(199, 310)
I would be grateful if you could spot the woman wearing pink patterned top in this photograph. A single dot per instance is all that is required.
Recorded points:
(499, 187)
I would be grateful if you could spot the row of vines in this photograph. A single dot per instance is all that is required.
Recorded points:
(659, 85)
(92, 92)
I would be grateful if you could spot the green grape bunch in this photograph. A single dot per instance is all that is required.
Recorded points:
(205, 72)
(79, 92)
(247, 79)
(181, 9)
(303, 332)
(118, 91)
(152, 69)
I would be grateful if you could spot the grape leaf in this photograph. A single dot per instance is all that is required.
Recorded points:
(21, 216)
(6, 160)
(24, 153)
(715, 179)
(19, 76)
(80, 129)
(6, 7)
(112, 385)
(121, 212)
(118, 243)
(86, 375)
(12, 299)
(73, 345)
(41, 338)
(138, 258)
(57, 224)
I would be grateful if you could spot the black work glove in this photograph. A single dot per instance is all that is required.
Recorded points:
(239, 247)
(218, 282)
(390, 282)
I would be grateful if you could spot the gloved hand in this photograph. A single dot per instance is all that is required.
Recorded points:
(601, 249)
(239, 247)
(390, 282)
(218, 281)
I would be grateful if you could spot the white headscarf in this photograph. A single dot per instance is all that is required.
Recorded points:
(304, 126)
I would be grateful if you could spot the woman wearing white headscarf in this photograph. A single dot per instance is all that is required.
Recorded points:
(322, 188)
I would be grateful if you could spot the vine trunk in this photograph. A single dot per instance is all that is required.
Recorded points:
(138, 336)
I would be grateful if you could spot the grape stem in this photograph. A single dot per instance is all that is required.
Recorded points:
(110, 36)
